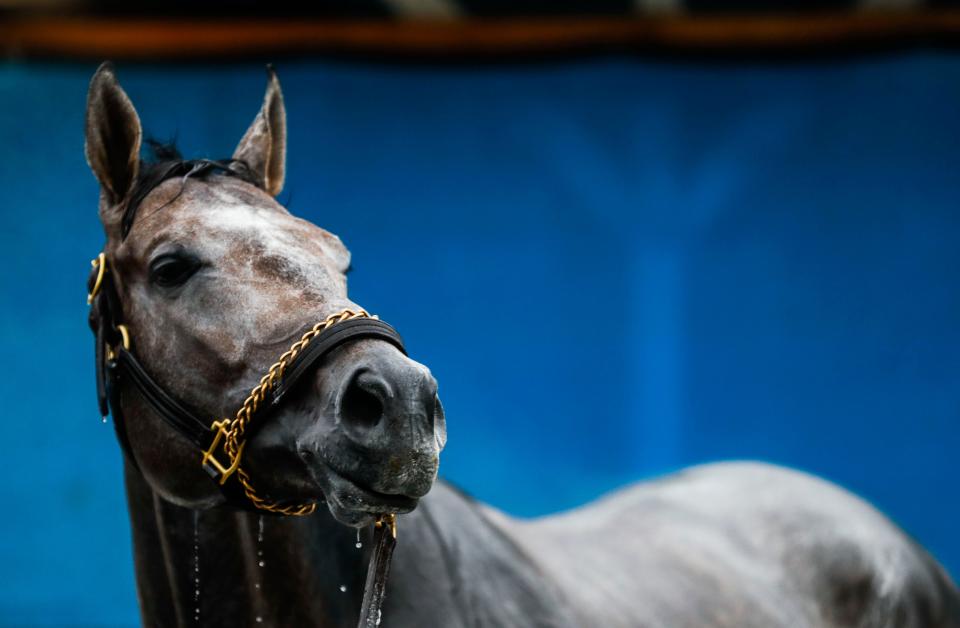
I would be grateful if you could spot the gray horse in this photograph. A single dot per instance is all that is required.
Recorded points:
(215, 279)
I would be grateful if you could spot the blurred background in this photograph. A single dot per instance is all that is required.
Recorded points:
(626, 236)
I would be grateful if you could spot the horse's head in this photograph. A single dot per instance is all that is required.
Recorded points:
(215, 280)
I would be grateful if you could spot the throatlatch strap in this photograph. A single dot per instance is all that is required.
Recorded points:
(99, 354)
(375, 588)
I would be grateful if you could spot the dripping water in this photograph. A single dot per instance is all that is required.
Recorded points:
(359, 544)
(260, 562)
(196, 566)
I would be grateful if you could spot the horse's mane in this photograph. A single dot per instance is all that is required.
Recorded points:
(168, 163)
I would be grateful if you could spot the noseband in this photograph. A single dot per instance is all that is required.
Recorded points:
(221, 442)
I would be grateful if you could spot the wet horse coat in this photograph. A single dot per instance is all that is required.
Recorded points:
(216, 278)
(737, 545)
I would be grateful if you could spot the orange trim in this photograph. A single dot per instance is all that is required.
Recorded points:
(173, 38)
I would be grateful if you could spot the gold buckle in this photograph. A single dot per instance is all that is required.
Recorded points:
(125, 341)
(100, 263)
(390, 520)
(209, 462)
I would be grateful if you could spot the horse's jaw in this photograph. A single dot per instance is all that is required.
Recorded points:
(355, 505)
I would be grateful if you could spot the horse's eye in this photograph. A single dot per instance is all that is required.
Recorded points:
(168, 271)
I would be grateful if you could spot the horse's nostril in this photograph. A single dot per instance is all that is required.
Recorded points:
(360, 406)
(439, 423)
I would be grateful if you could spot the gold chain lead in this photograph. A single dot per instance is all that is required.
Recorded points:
(233, 431)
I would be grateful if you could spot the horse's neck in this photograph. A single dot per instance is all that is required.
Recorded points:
(237, 568)
(454, 566)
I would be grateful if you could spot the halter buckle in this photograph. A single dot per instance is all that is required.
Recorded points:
(111, 352)
(100, 263)
(388, 520)
(210, 463)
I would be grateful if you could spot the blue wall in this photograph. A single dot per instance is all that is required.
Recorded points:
(658, 265)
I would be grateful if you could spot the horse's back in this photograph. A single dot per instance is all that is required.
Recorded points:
(737, 544)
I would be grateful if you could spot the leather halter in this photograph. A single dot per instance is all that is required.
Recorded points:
(117, 364)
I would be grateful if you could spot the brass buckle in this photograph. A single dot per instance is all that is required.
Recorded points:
(390, 520)
(100, 263)
(125, 341)
(210, 463)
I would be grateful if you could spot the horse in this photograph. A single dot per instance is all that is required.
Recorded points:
(205, 279)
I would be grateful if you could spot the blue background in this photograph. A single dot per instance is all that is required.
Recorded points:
(615, 267)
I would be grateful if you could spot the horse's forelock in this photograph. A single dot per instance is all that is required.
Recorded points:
(167, 163)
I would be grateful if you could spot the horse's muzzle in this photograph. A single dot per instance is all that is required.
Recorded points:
(388, 431)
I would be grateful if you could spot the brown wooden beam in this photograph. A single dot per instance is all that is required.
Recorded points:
(180, 38)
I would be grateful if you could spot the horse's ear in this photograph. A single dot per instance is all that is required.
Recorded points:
(264, 145)
(113, 134)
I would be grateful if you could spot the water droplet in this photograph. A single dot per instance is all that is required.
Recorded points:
(103, 419)
(260, 564)
(343, 588)
(359, 544)
(196, 564)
